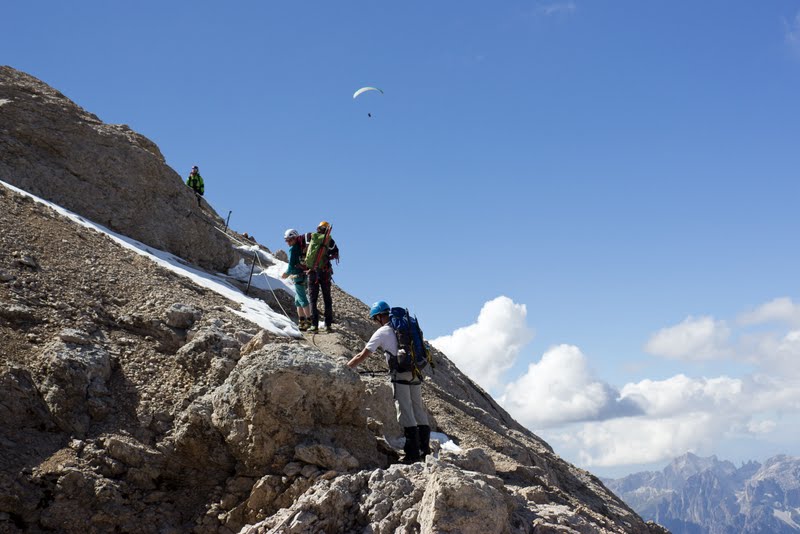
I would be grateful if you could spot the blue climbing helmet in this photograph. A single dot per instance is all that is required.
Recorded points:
(378, 308)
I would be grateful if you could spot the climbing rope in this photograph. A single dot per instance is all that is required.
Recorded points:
(255, 254)
(260, 265)
(266, 277)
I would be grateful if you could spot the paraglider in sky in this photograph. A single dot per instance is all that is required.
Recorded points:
(364, 90)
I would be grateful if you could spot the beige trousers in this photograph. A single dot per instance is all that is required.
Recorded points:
(408, 402)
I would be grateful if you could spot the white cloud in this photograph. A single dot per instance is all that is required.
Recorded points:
(779, 394)
(597, 424)
(559, 389)
(787, 354)
(700, 338)
(646, 440)
(683, 414)
(778, 310)
(681, 394)
(678, 414)
(775, 353)
(486, 349)
(639, 440)
(761, 427)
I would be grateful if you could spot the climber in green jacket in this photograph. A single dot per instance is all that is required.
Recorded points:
(195, 181)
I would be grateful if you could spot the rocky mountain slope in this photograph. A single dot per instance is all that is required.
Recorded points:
(105, 172)
(134, 400)
(705, 495)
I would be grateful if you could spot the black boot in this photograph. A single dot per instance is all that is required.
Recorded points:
(411, 448)
(424, 432)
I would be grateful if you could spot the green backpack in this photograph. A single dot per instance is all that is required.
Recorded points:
(317, 253)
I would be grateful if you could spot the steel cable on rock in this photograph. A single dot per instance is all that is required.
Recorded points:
(313, 334)
(266, 277)
(257, 258)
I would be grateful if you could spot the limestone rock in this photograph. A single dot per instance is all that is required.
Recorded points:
(74, 384)
(212, 349)
(258, 341)
(284, 396)
(435, 497)
(15, 313)
(130, 452)
(181, 316)
(326, 456)
(474, 459)
(21, 405)
(107, 173)
(457, 502)
(74, 336)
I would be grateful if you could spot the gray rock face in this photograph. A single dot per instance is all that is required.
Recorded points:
(455, 501)
(283, 399)
(107, 173)
(434, 497)
(21, 405)
(705, 495)
(181, 316)
(471, 460)
(74, 384)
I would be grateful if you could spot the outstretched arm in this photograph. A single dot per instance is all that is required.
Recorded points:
(358, 358)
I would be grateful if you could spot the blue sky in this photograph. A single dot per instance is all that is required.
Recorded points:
(624, 173)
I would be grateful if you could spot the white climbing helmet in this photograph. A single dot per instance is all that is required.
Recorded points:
(290, 233)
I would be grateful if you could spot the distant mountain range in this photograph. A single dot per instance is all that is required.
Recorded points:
(695, 495)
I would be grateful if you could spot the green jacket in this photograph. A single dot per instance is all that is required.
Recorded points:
(195, 181)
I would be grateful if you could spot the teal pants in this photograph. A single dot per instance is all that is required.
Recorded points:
(300, 294)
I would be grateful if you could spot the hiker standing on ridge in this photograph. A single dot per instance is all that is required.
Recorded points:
(297, 272)
(321, 250)
(411, 411)
(195, 181)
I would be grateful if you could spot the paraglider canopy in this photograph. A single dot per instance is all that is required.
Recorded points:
(365, 89)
